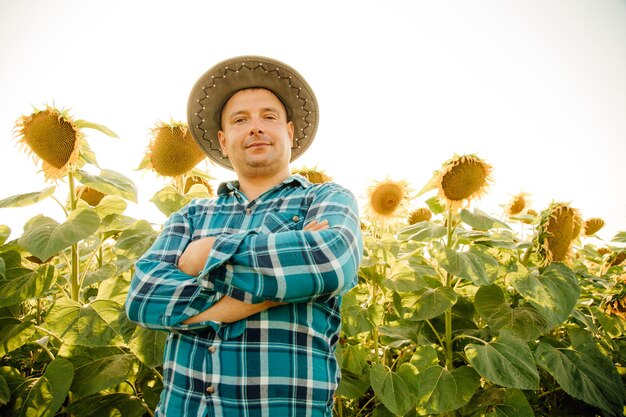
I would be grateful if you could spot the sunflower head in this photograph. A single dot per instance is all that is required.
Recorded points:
(422, 214)
(172, 150)
(616, 258)
(615, 303)
(192, 180)
(462, 179)
(558, 227)
(517, 204)
(314, 175)
(50, 135)
(593, 225)
(387, 202)
(90, 195)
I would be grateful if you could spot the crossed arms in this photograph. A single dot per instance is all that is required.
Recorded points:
(262, 270)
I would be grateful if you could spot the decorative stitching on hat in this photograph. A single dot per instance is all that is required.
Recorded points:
(260, 65)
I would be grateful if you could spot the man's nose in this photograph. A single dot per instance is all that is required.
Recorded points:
(255, 128)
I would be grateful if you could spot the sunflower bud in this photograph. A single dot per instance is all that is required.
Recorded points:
(420, 215)
(517, 204)
(593, 225)
(462, 179)
(172, 150)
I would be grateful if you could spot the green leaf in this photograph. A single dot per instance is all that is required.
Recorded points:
(431, 302)
(168, 200)
(42, 397)
(24, 284)
(424, 357)
(553, 293)
(110, 205)
(475, 265)
(439, 390)
(584, 372)
(422, 232)
(391, 390)
(515, 404)
(117, 404)
(110, 182)
(354, 358)
(114, 289)
(353, 386)
(93, 324)
(14, 333)
(5, 392)
(148, 345)
(23, 200)
(619, 237)
(136, 239)
(102, 373)
(525, 323)
(480, 220)
(5, 232)
(44, 237)
(507, 362)
(84, 124)
(95, 277)
(434, 204)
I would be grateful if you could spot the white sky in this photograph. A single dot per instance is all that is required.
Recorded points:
(537, 88)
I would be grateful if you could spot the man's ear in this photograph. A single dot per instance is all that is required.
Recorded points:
(290, 130)
(222, 139)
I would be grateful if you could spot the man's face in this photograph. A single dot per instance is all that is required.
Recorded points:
(255, 135)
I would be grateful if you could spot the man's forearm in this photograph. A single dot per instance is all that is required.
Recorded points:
(229, 310)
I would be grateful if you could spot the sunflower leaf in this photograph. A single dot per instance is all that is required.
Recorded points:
(23, 200)
(109, 182)
(619, 237)
(84, 124)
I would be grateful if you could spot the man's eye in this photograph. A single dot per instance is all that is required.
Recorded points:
(238, 120)
(271, 116)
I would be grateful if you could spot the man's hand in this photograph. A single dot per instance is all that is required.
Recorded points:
(194, 257)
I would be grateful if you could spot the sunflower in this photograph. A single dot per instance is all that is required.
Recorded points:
(387, 201)
(462, 179)
(89, 195)
(192, 180)
(172, 150)
(593, 225)
(50, 135)
(314, 175)
(517, 204)
(558, 227)
(422, 214)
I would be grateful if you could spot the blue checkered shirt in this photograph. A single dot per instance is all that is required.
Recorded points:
(280, 362)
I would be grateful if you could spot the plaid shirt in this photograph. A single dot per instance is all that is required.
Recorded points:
(280, 362)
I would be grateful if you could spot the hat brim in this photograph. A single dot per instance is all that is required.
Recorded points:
(220, 82)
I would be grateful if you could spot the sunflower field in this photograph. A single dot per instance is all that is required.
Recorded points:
(456, 312)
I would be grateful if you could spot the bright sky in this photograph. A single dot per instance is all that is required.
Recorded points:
(536, 88)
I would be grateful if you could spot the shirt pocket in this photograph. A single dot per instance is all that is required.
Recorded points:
(276, 222)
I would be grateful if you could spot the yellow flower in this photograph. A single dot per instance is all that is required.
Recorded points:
(192, 180)
(558, 227)
(314, 175)
(420, 215)
(89, 195)
(51, 136)
(462, 179)
(172, 150)
(387, 201)
(517, 204)
(593, 225)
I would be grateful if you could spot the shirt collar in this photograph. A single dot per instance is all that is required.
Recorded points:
(229, 186)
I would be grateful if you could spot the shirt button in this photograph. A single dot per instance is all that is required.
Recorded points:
(248, 211)
(210, 390)
(212, 349)
(295, 218)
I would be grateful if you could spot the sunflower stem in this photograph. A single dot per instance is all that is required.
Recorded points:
(74, 267)
(448, 312)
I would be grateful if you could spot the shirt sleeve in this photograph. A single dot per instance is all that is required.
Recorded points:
(161, 296)
(294, 265)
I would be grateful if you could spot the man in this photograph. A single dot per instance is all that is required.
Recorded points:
(249, 283)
